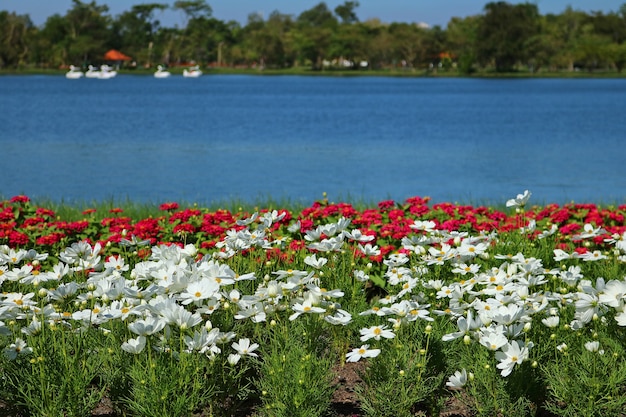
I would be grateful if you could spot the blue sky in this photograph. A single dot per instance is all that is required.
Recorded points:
(433, 12)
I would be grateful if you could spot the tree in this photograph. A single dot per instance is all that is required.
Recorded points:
(191, 40)
(349, 42)
(88, 31)
(314, 33)
(318, 17)
(15, 35)
(379, 46)
(503, 32)
(193, 9)
(408, 43)
(568, 30)
(134, 31)
(461, 39)
(346, 12)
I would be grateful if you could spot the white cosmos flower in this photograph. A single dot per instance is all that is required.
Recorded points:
(614, 294)
(592, 346)
(520, 200)
(147, 326)
(552, 321)
(376, 332)
(233, 359)
(243, 347)
(458, 380)
(313, 261)
(363, 352)
(341, 317)
(134, 345)
(18, 348)
(358, 236)
(596, 255)
(493, 338)
(511, 354)
(303, 308)
(199, 290)
(589, 232)
(621, 317)
(465, 325)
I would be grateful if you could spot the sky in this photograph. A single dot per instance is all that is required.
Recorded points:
(431, 12)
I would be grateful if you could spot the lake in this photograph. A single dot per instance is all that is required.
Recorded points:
(251, 138)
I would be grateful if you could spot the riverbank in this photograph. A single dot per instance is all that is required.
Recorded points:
(307, 71)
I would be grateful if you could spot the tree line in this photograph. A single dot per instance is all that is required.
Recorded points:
(505, 37)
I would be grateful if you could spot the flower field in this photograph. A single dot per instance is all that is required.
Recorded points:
(518, 311)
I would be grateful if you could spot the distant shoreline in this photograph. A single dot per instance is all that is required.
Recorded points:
(417, 73)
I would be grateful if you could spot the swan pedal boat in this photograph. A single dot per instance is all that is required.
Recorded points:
(74, 73)
(192, 72)
(107, 72)
(104, 73)
(161, 72)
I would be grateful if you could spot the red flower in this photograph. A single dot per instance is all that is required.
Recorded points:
(184, 228)
(184, 215)
(17, 238)
(7, 214)
(386, 205)
(44, 212)
(19, 199)
(50, 239)
(168, 206)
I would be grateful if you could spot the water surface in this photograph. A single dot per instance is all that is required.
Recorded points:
(294, 137)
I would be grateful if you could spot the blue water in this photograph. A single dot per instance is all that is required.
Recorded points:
(290, 137)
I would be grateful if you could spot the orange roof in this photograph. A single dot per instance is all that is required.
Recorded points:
(114, 55)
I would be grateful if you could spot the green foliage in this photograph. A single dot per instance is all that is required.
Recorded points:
(405, 377)
(60, 377)
(295, 377)
(581, 382)
(488, 394)
(169, 384)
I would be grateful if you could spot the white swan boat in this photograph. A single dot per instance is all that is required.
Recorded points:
(192, 72)
(107, 72)
(74, 73)
(104, 73)
(92, 72)
(161, 72)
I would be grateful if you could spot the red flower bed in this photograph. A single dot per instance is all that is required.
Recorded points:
(25, 225)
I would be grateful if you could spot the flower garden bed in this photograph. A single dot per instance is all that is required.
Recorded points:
(400, 309)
